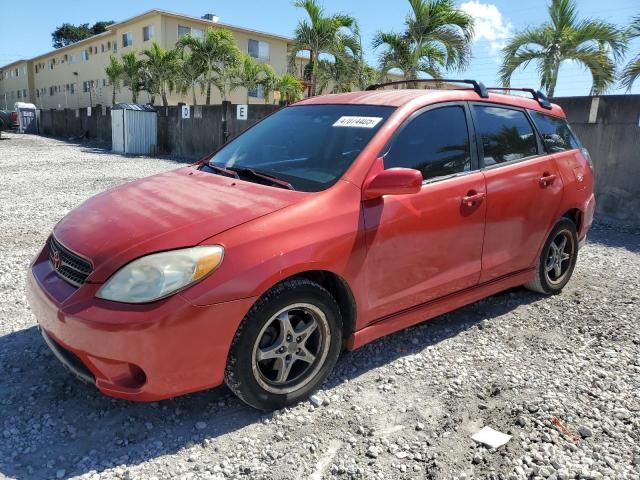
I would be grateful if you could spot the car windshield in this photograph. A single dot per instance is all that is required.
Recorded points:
(308, 147)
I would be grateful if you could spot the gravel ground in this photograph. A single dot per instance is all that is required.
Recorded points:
(560, 374)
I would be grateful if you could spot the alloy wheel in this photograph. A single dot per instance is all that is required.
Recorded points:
(291, 347)
(561, 251)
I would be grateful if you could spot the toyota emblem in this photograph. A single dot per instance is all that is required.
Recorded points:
(57, 262)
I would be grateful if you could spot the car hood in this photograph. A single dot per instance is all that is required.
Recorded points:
(176, 209)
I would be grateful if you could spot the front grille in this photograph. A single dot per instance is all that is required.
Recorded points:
(69, 265)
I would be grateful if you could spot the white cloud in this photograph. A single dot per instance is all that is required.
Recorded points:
(489, 23)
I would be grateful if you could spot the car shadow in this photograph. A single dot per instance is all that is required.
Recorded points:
(613, 237)
(51, 422)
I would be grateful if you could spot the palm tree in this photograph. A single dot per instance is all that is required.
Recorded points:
(322, 34)
(437, 37)
(217, 52)
(290, 88)
(133, 73)
(189, 75)
(162, 66)
(589, 42)
(251, 74)
(115, 72)
(631, 71)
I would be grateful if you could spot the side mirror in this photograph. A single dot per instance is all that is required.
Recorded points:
(394, 181)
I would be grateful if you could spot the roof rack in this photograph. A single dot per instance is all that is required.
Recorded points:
(478, 87)
(537, 95)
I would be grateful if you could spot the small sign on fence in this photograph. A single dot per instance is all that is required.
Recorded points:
(186, 111)
(88, 111)
(242, 112)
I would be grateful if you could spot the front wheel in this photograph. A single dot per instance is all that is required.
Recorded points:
(286, 345)
(557, 259)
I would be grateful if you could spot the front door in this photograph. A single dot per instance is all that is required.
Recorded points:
(426, 245)
(524, 189)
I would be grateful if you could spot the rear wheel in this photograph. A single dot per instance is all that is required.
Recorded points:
(286, 346)
(557, 259)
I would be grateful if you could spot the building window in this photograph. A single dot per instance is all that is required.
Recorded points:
(102, 48)
(72, 58)
(24, 93)
(115, 47)
(19, 94)
(51, 63)
(148, 33)
(72, 88)
(127, 40)
(183, 31)
(257, 92)
(258, 49)
(88, 85)
(51, 91)
(195, 32)
(108, 46)
(85, 55)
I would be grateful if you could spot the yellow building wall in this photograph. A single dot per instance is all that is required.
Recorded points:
(10, 85)
(70, 68)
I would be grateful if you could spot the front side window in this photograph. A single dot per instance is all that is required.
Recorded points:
(126, 40)
(506, 134)
(556, 134)
(308, 146)
(436, 142)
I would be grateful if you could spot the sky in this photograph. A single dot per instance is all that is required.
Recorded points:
(496, 21)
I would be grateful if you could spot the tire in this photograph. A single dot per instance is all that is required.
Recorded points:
(554, 268)
(270, 362)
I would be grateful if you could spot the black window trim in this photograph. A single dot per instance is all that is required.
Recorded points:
(540, 147)
(473, 148)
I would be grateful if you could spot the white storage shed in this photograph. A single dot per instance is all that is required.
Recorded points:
(134, 129)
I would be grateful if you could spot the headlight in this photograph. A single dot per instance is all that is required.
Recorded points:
(161, 274)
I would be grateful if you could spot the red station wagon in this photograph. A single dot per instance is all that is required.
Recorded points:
(331, 223)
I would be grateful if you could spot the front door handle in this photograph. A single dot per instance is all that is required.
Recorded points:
(473, 198)
(547, 179)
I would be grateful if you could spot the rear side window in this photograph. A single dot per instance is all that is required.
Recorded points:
(436, 142)
(556, 134)
(506, 134)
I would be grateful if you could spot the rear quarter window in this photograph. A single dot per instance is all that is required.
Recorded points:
(556, 133)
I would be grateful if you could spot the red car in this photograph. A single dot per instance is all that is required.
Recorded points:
(331, 223)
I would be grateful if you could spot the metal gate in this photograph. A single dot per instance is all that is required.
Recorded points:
(117, 131)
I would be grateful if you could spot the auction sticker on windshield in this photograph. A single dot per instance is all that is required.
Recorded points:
(358, 122)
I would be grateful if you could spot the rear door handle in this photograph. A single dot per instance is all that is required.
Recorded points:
(547, 179)
(473, 198)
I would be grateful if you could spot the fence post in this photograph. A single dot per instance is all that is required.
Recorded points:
(225, 111)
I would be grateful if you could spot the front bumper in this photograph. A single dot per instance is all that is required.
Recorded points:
(136, 352)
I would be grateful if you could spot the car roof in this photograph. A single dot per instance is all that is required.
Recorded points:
(424, 97)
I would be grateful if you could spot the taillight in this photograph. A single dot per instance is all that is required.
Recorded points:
(14, 117)
(587, 157)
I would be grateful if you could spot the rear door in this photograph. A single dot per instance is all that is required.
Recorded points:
(429, 244)
(524, 189)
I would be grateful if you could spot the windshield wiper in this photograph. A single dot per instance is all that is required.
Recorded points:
(224, 171)
(256, 174)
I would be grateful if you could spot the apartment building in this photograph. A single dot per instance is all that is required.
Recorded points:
(74, 76)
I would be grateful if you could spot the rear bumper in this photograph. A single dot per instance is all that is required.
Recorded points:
(589, 210)
(136, 352)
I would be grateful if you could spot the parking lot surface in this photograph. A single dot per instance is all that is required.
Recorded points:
(560, 374)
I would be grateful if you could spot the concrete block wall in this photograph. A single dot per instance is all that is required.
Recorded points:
(609, 127)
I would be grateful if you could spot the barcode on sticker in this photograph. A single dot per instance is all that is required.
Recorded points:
(358, 122)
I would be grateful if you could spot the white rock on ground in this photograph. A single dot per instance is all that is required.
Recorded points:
(512, 361)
